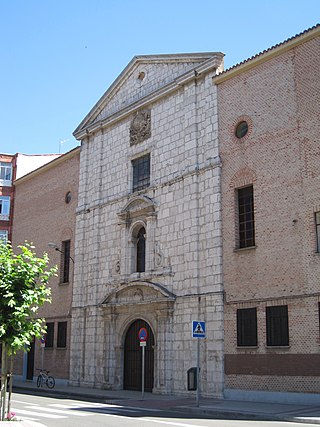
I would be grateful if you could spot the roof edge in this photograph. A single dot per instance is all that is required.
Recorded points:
(49, 165)
(268, 54)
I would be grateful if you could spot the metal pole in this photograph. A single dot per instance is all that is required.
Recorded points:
(143, 347)
(198, 372)
(42, 357)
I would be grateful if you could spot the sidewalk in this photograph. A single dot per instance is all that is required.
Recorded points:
(216, 408)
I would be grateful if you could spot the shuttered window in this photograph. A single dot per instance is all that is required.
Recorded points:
(50, 334)
(247, 327)
(277, 325)
(62, 335)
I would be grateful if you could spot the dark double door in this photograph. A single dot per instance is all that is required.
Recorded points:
(133, 358)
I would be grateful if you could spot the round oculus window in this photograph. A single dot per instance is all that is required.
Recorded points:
(68, 197)
(241, 129)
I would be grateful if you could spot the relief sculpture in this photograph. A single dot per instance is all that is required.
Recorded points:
(140, 128)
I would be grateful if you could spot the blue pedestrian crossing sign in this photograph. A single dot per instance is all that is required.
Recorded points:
(198, 329)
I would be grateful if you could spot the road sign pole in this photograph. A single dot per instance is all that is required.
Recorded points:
(43, 340)
(198, 332)
(143, 335)
(198, 372)
(143, 347)
(42, 358)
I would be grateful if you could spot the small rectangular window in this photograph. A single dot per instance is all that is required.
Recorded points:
(141, 173)
(4, 207)
(246, 217)
(317, 219)
(50, 334)
(4, 236)
(5, 173)
(247, 327)
(277, 325)
(62, 335)
(65, 261)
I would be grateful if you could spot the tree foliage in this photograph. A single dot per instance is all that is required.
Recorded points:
(23, 289)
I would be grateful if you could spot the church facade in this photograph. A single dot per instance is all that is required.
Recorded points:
(148, 230)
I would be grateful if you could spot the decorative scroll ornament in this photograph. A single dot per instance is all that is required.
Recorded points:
(140, 128)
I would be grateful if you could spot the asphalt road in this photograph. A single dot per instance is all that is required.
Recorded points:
(64, 412)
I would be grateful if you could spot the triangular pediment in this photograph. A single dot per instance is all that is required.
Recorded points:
(144, 75)
(138, 292)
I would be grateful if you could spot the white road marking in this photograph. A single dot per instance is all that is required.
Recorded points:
(24, 403)
(84, 405)
(59, 411)
(37, 414)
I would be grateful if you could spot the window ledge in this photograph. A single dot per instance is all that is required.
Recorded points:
(61, 348)
(278, 347)
(247, 347)
(249, 248)
(140, 275)
(64, 283)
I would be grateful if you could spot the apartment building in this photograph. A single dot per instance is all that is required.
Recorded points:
(6, 194)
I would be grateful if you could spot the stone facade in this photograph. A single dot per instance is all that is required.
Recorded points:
(278, 94)
(44, 214)
(171, 100)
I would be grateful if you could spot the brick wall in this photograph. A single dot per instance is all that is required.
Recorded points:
(41, 216)
(279, 98)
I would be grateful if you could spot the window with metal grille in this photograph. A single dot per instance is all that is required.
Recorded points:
(50, 334)
(277, 325)
(65, 261)
(246, 217)
(141, 250)
(317, 219)
(247, 327)
(62, 334)
(141, 173)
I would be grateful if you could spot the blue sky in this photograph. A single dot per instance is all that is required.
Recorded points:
(58, 57)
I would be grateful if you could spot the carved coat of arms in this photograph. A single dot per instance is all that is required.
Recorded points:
(140, 128)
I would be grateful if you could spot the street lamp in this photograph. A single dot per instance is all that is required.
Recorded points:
(56, 247)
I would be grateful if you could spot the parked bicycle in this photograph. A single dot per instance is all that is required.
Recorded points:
(45, 378)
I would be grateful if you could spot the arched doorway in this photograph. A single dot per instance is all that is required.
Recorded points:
(133, 358)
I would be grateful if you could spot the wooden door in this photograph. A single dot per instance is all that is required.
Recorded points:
(133, 358)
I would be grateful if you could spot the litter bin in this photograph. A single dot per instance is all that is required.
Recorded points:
(192, 378)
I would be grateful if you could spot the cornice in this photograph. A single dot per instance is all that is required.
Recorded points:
(267, 55)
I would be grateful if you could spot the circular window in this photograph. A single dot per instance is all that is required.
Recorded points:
(241, 129)
(68, 197)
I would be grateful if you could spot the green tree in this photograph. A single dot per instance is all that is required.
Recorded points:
(23, 289)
